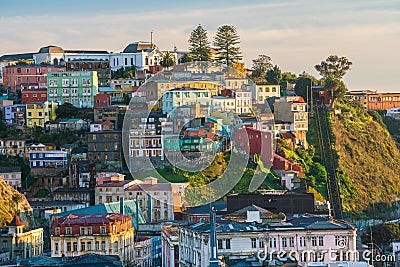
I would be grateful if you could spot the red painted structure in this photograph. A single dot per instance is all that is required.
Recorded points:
(34, 95)
(102, 100)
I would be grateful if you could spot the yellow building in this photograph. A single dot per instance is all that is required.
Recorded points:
(39, 147)
(37, 114)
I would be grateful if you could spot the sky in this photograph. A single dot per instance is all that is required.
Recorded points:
(296, 34)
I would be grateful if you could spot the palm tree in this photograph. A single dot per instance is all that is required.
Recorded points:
(168, 60)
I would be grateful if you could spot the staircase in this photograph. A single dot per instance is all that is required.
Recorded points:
(329, 159)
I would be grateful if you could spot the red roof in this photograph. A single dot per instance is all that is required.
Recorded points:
(16, 221)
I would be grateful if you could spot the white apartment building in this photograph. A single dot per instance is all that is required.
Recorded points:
(308, 237)
(222, 103)
(12, 176)
(243, 101)
(184, 96)
(262, 92)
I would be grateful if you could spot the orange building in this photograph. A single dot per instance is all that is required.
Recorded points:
(372, 100)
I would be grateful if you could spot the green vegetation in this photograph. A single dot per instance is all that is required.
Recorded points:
(124, 72)
(199, 45)
(226, 42)
(315, 173)
(392, 124)
(23, 164)
(382, 234)
(368, 158)
(42, 193)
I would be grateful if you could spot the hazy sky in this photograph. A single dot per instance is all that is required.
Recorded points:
(296, 34)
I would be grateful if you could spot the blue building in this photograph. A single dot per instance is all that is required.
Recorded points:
(48, 159)
(156, 251)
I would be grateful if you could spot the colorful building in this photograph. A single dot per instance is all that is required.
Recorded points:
(48, 159)
(34, 95)
(262, 92)
(184, 96)
(15, 114)
(12, 146)
(20, 242)
(11, 175)
(37, 114)
(16, 77)
(75, 87)
(373, 100)
(102, 233)
(102, 67)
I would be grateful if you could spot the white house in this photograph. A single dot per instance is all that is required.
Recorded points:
(393, 112)
(139, 54)
(243, 101)
(262, 92)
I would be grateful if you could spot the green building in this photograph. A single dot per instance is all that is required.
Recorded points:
(75, 87)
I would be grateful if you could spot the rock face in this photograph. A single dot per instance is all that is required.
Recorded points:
(12, 202)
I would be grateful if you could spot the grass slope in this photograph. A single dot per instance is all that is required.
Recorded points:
(369, 161)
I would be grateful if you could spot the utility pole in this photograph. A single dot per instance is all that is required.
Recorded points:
(151, 38)
(213, 241)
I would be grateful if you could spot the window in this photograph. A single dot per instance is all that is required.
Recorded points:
(284, 242)
(253, 242)
(68, 230)
(314, 241)
(83, 246)
(82, 231)
(261, 243)
(341, 241)
(89, 231)
(291, 241)
(138, 253)
(228, 244)
(97, 245)
(56, 248)
(75, 246)
(89, 245)
(219, 241)
(102, 229)
(57, 231)
(69, 246)
(103, 245)
(320, 240)
(115, 246)
(302, 241)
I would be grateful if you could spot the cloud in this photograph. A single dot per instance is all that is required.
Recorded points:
(297, 35)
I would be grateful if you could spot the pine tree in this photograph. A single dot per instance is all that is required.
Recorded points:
(199, 45)
(226, 43)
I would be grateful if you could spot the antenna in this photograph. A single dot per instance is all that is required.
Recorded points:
(151, 38)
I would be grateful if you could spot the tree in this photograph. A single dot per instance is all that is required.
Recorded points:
(333, 67)
(168, 60)
(125, 73)
(332, 70)
(274, 75)
(226, 43)
(66, 111)
(239, 66)
(382, 234)
(303, 84)
(188, 57)
(199, 45)
(260, 67)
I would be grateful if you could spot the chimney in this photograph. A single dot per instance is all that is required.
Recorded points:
(121, 205)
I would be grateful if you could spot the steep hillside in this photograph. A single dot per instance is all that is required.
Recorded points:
(369, 161)
(12, 201)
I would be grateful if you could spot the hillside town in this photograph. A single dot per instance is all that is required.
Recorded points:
(147, 157)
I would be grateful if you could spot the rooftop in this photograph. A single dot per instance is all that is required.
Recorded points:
(138, 47)
(97, 218)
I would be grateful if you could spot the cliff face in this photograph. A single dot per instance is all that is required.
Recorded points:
(369, 161)
(11, 202)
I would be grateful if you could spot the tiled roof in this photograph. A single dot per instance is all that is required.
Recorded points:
(16, 221)
(129, 208)
(150, 187)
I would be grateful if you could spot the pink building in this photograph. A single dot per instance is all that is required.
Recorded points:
(109, 177)
(17, 77)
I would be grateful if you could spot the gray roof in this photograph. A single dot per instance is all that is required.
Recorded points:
(51, 49)
(12, 57)
(138, 46)
(224, 226)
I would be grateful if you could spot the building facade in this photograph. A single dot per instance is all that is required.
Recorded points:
(105, 149)
(184, 96)
(264, 91)
(106, 234)
(21, 242)
(16, 77)
(48, 159)
(37, 114)
(75, 87)
(15, 114)
(156, 200)
(34, 95)
(293, 110)
(12, 176)
(243, 101)
(12, 146)
(102, 67)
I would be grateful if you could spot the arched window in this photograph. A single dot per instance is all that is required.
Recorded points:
(146, 61)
